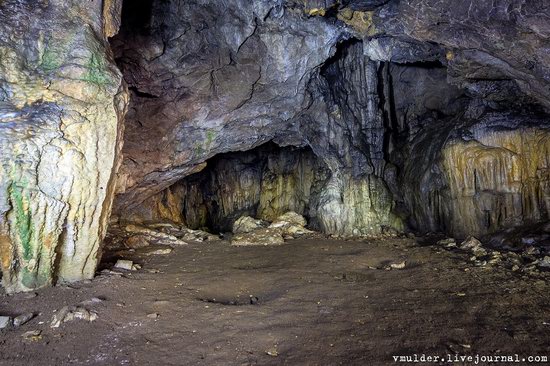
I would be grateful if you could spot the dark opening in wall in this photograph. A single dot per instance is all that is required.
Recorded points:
(264, 182)
(136, 16)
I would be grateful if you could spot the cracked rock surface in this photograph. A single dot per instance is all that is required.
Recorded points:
(61, 106)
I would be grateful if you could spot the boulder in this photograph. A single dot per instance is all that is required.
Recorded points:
(473, 245)
(263, 236)
(124, 264)
(137, 241)
(246, 224)
(291, 225)
(470, 244)
(291, 217)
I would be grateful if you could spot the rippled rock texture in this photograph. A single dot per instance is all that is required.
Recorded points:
(61, 107)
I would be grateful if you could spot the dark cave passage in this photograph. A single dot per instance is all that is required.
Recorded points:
(264, 183)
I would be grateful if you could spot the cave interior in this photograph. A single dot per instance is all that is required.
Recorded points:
(263, 125)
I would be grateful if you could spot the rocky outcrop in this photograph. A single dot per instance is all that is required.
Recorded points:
(61, 106)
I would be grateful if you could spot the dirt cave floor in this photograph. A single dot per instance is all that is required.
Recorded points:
(309, 302)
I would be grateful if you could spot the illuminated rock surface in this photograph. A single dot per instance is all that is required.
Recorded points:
(61, 109)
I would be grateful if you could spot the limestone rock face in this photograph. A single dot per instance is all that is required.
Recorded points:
(484, 39)
(208, 78)
(346, 127)
(265, 182)
(371, 87)
(489, 176)
(61, 105)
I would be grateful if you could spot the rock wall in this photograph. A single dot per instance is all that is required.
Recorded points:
(362, 83)
(208, 78)
(61, 106)
(345, 126)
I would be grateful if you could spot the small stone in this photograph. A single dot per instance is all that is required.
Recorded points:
(22, 319)
(158, 251)
(94, 300)
(153, 315)
(5, 321)
(124, 264)
(399, 265)
(136, 267)
(30, 295)
(515, 268)
(108, 272)
(58, 317)
(470, 243)
(32, 335)
(272, 352)
(137, 241)
(447, 243)
(67, 314)
(545, 262)
(532, 251)
(528, 240)
(81, 313)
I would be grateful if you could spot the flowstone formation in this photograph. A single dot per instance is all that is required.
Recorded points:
(61, 106)
(490, 175)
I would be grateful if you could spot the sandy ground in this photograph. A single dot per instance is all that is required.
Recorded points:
(309, 302)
